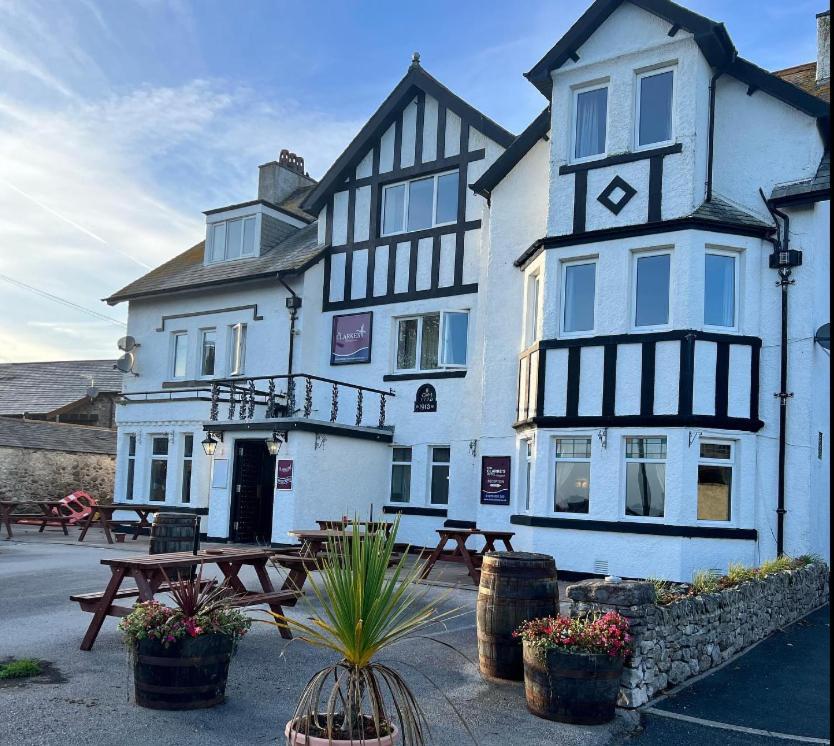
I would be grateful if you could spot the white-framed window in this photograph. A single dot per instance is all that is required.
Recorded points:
(232, 239)
(651, 276)
(179, 354)
(400, 475)
(159, 468)
(721, 289)
(420, 203)
(572, 489)
(237, 349)
(529, 461)
(441, 458)
(533, 293)
(432, 341)
(645, 477)
(716, 459)
(590, 122)
(655, 98)
(578, 296)
(208, 352)
(187, 470)
(130, 477)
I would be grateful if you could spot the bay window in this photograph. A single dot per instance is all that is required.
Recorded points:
(187, 461)
(533, 288)
(590, 122)
(720, 289)
(715, 480)
(573, 475)
(654, 107)
(420, 203)
(578, 296)
(159, 468)
(432, 341)
(131, 467)
(651, 289)
(645, 476)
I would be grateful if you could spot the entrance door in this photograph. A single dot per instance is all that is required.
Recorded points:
(252, 493)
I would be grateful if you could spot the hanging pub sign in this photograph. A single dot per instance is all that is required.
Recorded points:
(350, 342)
(495, 480)
(283, 474)
(426, 399)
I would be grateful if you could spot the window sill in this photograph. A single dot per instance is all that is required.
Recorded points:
(437, 374)
(636, 527)
(414, 510)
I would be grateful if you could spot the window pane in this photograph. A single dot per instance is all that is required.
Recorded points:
(209, 346)
(580, 282)
(218, 242)
(720, 290)
(652, 300)
(573, 448)
(714, 489)
(645, 489)
(455, 332)
(429, 341)
(716, 451)
(447, 198)
(439, 485)
(238, 351)
(402, 454)
(159, 473)
(441, 455)
(234, 238)
(249, 236)
(532, 309)
(186, 481)
(656, 108)
(131, 473)
(188, 446)
(180, 355)
(160, 447)
(528, 481)
(591, 114)
(573, 486)
(131, 445)
(420, 198)
(407, 344)
(394, 208)
(651, 448)
(400, 483)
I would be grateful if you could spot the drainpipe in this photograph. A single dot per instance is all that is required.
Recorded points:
(293, 304)
(713, 84)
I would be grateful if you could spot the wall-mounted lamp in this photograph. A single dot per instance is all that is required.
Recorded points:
(210, 443)
(273, 444)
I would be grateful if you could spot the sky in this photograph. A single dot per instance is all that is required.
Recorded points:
(121, 121)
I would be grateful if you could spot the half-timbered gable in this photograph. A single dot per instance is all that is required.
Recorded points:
(395, 210)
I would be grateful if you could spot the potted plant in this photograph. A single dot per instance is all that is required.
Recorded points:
(181, 653)
(362, 610)
(572, 666)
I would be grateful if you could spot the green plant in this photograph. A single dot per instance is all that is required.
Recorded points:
(738, 573)
(363, 610)
(665, 592)
(810, 559)
(200, 608)
(20, 669)
(778, 564)
(704, 581)
(595, 633)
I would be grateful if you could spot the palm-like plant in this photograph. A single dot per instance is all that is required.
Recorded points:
(364, 610)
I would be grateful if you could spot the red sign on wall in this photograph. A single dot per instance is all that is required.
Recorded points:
(283, 470)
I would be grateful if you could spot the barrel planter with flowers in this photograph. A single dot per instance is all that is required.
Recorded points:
(572, 666)
(181, 653)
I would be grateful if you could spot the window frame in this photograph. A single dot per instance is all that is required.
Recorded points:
(237, 350)
(573, 460)
(638, 76)
(528, 446)
(533, 299)
(225, 223)
(441, 366)
(404, 223)
(184, 458)
(736, 257)
(575, 93)
(172, 367)
(406, 464)
(731, 463)
(131, 443)
(645, 254)
(564, 295)
(203, 332)
(625, 461)
(157, 457)
(432, 464)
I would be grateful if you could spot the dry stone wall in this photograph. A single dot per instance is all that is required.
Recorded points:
(675, 642)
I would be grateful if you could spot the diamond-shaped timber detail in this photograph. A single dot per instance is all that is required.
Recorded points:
(625, 190)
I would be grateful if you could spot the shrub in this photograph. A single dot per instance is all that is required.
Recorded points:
(704, 581)
(665, 592)
(20, 669)
(602, 634)
(738, 573)
(778, 564)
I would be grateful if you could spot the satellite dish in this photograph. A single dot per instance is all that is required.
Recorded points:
(823, 337)
(126, 344)
(125, 363)
(92, 392)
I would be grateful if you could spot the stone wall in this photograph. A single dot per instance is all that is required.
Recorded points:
(29, 474)
(675, 642)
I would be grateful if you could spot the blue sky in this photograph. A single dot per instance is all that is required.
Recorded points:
(122, 120)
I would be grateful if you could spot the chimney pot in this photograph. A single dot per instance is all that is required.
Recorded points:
(279, 179)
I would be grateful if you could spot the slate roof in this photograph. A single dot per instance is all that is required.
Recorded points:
(805, 77)
(720, 211)
(818, 187)
(56, 436)
(41, 388)
(294, 253)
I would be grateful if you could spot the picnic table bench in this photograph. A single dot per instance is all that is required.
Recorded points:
(103, 516)
(461, 553)
(46, 516)
(148, 572)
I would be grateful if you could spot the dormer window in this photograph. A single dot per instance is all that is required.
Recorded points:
(420, 203)
(232, 239)
(591, 122)
(654, 107)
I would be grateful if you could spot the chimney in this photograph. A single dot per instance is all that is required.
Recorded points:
(823, 46)
(277, 180)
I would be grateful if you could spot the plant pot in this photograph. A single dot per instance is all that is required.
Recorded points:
(300, 739)
(189, 675)
(576, 688)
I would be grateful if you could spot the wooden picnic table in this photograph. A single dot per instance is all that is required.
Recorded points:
(46, 515)
(103, 516)
(148, 573)
(314, 541)
(472, 558)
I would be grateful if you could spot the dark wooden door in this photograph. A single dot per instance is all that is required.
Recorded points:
(252, 493)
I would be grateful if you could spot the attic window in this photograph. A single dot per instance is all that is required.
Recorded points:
(232, 239)
(420, 203)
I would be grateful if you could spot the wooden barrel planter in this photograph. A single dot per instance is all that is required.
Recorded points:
(579, 688)
(189, 675)
(515, 586)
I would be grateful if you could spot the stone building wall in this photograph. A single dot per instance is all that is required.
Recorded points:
(29, 474)
(675, 642)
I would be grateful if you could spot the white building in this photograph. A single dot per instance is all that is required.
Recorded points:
(595, 305)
